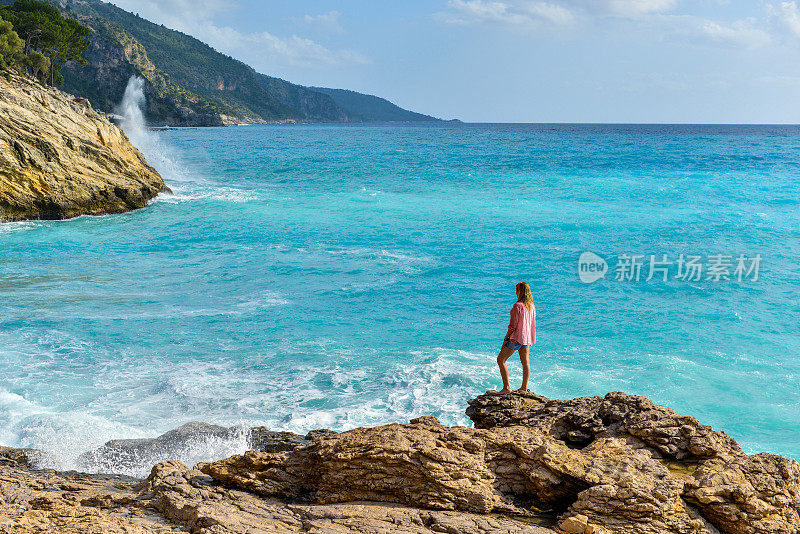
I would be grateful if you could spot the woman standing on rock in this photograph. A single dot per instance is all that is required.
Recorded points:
(520, 336)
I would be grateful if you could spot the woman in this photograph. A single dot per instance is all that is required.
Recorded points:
(520, 336)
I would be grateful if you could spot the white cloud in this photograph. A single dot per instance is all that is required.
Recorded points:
(550, 12)
(639, 7)
(263, 50)
(515, 14)
(533, 13)
(742, 33)
(785, 17)
(656, 18)
(326, 21)
(173, 11)
(301, 51)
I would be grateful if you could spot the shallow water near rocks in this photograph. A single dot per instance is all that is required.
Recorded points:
(339, 276)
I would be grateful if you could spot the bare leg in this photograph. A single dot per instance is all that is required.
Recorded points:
(502, 358)
(524, 357)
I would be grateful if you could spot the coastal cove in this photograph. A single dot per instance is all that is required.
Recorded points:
(459, 267)
(337, 276)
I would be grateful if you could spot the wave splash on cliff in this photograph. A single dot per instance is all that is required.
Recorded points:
(134, 123)
(186, 184)
(130, 108)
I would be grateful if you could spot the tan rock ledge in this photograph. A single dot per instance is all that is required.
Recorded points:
(618, 464)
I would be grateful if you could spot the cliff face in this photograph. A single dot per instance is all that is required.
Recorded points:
(112, 58)
(60, 159)
(311, 105)
(188, 83)
(369, 108)
(191, 84)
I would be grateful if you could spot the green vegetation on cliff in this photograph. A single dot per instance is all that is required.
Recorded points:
(10, 45)
(369, 108)
(190, 83)
(113, 57)
(228, 85)
(48, 40)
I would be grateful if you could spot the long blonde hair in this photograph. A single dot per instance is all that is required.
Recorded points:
(524, 295)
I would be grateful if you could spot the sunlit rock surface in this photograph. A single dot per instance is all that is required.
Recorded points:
(617, 464)
(60, 159)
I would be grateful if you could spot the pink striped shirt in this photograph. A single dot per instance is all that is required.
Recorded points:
(523, 324)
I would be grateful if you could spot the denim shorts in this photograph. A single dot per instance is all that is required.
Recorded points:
(513, 345)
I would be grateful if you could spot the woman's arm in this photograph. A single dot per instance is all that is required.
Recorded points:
(512, 324)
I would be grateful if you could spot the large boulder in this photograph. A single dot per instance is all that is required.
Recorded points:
(419, 464)
(518, 470)
(707, 471)
(139, 455)
(757, 494)
(188, 497)
(580, 421)
(59, 158)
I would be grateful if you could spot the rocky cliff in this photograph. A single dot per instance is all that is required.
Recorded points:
(59, 158)
(113, 56)
(617, 464)
(188, 83)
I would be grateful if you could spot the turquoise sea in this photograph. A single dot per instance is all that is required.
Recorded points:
(308, 276)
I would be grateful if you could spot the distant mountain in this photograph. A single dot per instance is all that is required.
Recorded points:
(190, 83)
(369, 108)
(312, 105)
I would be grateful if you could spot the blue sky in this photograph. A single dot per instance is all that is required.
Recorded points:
(698, 61)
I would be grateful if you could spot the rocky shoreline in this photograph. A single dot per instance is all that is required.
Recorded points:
(60, 159)
(618, 464)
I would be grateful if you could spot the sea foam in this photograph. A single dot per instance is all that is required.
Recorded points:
(302, 307)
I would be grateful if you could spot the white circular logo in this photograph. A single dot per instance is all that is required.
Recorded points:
(591, 267)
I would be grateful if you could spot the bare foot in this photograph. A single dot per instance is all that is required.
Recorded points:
(522, 390)
(504, 391)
